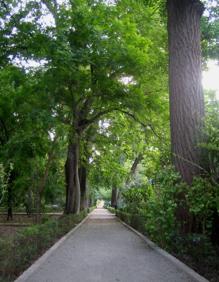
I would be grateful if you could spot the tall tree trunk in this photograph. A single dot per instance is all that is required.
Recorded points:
(12, 177)
(38, 207)
(43, 181)
(114, 197)
(72, 179)
(130, 176)
(133, 169)
(186, 96)
(83, 185)
(10, 200)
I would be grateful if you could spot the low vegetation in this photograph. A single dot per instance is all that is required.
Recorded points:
(19, 251)
(154, 210)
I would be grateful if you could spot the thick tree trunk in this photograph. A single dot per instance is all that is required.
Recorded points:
(72, 179)
(186, 96)
(114, 197)
(83, 185)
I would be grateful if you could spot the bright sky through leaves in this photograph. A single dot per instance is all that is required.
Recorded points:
(211, 77)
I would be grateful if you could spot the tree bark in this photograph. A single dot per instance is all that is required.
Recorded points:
(72, 179)
(133, 169)
(83, 185)
(10, 200)
(186, 95)
(114, 197)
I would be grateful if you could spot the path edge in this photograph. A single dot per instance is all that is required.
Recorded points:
(180, 265)
(30, 270)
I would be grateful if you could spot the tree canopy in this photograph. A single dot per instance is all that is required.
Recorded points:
(84, 98)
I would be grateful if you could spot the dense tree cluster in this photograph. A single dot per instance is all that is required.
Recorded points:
(84, 100)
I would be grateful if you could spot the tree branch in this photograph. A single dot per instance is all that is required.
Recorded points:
(84, 123)
(140, 122)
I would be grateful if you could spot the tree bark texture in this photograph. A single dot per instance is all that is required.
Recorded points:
(83, 185)
(114, 197)
(72, 179)
(10, 200)
(186, 95)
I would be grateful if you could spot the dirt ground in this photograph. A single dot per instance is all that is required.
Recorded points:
(20, 220)
(7, 231)
(24, 218)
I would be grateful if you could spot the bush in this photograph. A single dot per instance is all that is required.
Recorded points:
(153, 208)
(112, 210)
(156, 206)
(196, 245)
(136, 198)
(201, 199)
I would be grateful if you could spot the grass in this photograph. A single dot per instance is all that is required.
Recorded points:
(18, 252)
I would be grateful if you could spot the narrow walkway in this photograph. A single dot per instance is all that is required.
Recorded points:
(104, 250)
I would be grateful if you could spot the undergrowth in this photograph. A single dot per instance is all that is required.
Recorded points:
(153, 210)
(17, 253)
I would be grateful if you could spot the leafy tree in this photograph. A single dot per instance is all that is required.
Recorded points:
(26, 123)
(100, 52)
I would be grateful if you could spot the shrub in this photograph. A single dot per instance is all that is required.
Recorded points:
(153, 208)
(194, 244)
(201, 199)
(112, 210)
(156, 205)
(135, 199)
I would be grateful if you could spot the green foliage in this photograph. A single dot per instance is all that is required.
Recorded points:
(210, 30)
(26, 122)
(157, 205)
(161, 207)
(89, 50)
(102, 73)
(211, 140)
(112, 210)
(196, 245)
(202, 201)
(197, 251)
(136, 198)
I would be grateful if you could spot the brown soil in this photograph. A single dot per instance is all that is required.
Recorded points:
(7, 231)
(23, 218)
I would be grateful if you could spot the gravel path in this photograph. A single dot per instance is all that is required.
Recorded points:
(104, 250)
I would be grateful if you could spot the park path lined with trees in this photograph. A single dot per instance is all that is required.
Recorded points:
(102, 249)
(103, 100)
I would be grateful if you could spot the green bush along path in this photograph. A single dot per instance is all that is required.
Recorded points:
(103, 249)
